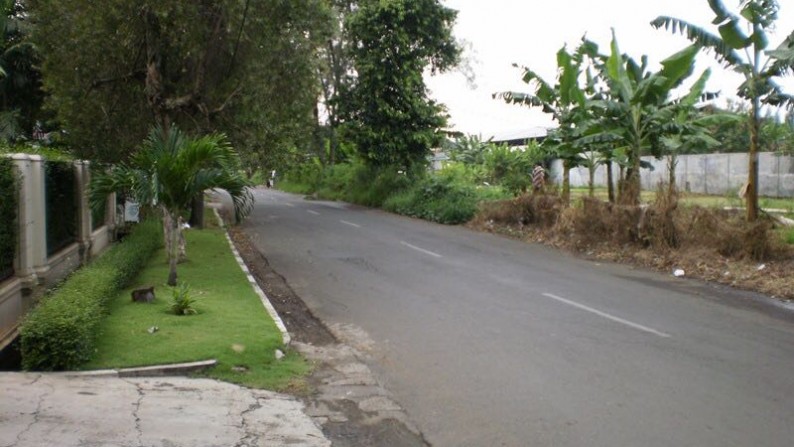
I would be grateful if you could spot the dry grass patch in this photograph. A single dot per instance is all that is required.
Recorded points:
(707, 243)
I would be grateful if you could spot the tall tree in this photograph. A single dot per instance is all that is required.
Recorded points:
(388, 113)
(115, 67)
(742, 45)
(21, 96)
(335, 71)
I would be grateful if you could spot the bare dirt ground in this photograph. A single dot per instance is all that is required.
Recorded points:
(341, 394)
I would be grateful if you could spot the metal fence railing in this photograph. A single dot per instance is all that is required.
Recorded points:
(62, 207)
(9, 207)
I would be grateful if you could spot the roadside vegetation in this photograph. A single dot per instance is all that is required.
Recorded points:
(611, 109)
(230, 74)
(229, 322)
(61, 332)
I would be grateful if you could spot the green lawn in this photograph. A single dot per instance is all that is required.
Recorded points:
(231, 326)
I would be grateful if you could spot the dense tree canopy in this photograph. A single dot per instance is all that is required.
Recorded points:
(20, 82)
(115, 67)
(387, 111)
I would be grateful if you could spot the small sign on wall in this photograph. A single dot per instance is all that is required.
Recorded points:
(132, 211)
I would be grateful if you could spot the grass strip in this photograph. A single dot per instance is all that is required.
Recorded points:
(231, 326)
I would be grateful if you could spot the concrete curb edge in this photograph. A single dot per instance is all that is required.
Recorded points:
(286, 338)
(173, 369)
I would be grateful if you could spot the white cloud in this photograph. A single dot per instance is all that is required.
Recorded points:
(530, 32)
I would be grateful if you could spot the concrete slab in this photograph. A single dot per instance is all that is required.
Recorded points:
(64, 410)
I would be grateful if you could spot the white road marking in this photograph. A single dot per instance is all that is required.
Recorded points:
(350, 223)
(313, 212)
(289, 205)
(427, 252)
(607, 316)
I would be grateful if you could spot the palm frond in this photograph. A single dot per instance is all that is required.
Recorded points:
(723, 52)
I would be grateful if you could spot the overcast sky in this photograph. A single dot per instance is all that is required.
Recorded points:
(529, 32)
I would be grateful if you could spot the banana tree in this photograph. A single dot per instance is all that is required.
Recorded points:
(636, 113)
(742, 46)
(691, 128)
(169, 171)
(565, 101)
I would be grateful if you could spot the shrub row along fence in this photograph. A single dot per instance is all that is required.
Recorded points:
(46, 230)
(60, 333)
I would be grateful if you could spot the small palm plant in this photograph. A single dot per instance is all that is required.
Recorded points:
(182, 303)
(170, 170)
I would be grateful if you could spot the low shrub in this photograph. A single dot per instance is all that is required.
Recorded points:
(181, 301)
(59, 334)
(437, 198)
(373, 186)
(662, 226)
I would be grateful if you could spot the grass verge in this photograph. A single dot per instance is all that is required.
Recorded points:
(231, 326)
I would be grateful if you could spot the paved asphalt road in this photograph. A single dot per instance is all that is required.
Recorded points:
(491, 342)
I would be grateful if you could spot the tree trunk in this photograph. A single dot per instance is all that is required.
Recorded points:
(610, 181)
(167, 231)
(174, 248)
(153, 87)
(197, 212)
(591, 180)
(182, 244)
(566, 183)
(752, 181)
(631, 191)
(672, 163)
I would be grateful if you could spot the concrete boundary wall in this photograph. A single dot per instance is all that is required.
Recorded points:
(34, 270)
(717, 174)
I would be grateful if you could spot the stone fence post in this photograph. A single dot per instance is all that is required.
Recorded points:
(31, 262)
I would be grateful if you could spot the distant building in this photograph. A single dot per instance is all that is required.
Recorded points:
(520, 137)
(438, 159)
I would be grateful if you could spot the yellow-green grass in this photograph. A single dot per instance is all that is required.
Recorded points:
(231, 326)
(713, 201)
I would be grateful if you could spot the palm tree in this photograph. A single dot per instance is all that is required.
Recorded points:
(741, 45)
(169, 171)
(637, 111)
(565, 101)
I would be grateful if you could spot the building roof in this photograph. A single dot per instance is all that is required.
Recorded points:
(529, 133)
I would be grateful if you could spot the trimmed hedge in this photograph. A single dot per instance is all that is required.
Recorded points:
(59, 334)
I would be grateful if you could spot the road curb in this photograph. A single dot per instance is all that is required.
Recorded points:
(285, 337)
(173, 369)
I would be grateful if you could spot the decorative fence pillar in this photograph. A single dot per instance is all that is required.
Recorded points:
(82, 175)
(32, 255)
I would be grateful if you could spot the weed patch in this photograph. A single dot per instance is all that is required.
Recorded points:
(711, 243)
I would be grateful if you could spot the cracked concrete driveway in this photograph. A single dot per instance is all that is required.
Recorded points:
(58, 409)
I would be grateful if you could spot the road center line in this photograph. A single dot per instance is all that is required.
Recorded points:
(350, 223)
(607, 316)
(313, 212)
(427, 252)
(289, 205)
